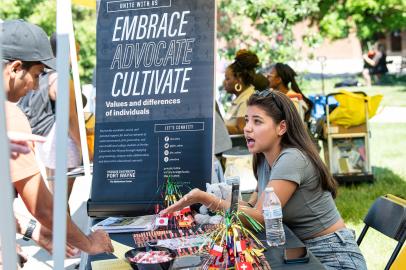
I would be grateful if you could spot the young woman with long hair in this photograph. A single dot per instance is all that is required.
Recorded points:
(286, 159)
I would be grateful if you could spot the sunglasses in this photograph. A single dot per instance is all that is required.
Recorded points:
(266, 93)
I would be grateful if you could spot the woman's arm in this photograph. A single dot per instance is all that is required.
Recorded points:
(252, 201)
(374, 61)
(284, 190)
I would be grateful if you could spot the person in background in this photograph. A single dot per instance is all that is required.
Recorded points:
(282, 78)
(39, 107)
(374, 63)
(238, 81)
(26, 51)
(261, 82)
(286, 159)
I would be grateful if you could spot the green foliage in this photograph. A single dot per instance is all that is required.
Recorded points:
(370, 17)
(263, 26)
(43, 13)
(85, 30)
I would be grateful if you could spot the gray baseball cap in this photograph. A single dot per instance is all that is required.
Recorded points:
(24, 41)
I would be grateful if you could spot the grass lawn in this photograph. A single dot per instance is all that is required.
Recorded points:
(388, 157)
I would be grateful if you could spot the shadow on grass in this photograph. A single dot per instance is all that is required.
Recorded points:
(353, 201)
(393, 80)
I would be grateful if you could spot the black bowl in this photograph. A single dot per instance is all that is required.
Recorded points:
(150, 266)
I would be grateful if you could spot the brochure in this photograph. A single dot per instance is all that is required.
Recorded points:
(126, 224)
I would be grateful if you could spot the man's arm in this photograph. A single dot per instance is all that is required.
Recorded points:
(73, 119)
(73, 116)
(39, 203)
(41, 235)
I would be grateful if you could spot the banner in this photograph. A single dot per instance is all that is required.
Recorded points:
(154, 101)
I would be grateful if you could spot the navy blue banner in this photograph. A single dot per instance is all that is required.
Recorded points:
(154, 103)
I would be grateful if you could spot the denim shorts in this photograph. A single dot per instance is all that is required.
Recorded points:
(337, 250)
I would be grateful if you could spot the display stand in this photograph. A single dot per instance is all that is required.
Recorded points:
(154, 103)
(347, 153)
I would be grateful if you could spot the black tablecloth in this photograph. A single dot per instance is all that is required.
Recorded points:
(274, 255)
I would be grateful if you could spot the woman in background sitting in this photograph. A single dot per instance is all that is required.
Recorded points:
(238, 81)
(281, 77)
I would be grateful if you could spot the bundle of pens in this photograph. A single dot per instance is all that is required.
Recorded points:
(236, 247)
(179, 219)
(172, 193)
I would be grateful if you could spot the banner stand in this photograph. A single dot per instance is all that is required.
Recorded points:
(154, 103)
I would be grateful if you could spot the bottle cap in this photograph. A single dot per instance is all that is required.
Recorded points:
(269, 189)
(233, 180)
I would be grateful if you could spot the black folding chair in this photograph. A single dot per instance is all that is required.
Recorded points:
(388, 216)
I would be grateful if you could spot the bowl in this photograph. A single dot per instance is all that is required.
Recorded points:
(130, 255)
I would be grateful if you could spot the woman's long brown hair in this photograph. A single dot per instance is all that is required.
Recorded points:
(279, 107)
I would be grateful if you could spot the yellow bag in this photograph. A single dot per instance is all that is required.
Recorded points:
(351, 108)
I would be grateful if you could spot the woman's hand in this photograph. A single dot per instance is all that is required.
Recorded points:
(194, 196)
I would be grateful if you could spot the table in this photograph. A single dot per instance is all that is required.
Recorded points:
(274, 255)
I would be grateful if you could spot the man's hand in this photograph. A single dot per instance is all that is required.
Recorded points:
(43, 237)
(100, 242)
(19, 142)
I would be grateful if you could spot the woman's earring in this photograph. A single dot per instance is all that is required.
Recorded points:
(238, 87)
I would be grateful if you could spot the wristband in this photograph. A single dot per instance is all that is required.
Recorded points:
(30, 230)
(251, 205)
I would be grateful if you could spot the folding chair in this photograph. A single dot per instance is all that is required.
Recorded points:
(388, 216)
(400, 262)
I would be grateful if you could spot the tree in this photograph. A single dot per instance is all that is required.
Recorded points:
(263, 26)
(43, 13)
(369, 17)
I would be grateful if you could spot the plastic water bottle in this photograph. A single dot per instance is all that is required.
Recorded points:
(272, 209)
(231, 171)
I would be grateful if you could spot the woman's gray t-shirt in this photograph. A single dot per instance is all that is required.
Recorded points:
(310, 210)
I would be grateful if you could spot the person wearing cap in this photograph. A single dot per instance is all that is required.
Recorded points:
(39, 107)
(26, 52)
